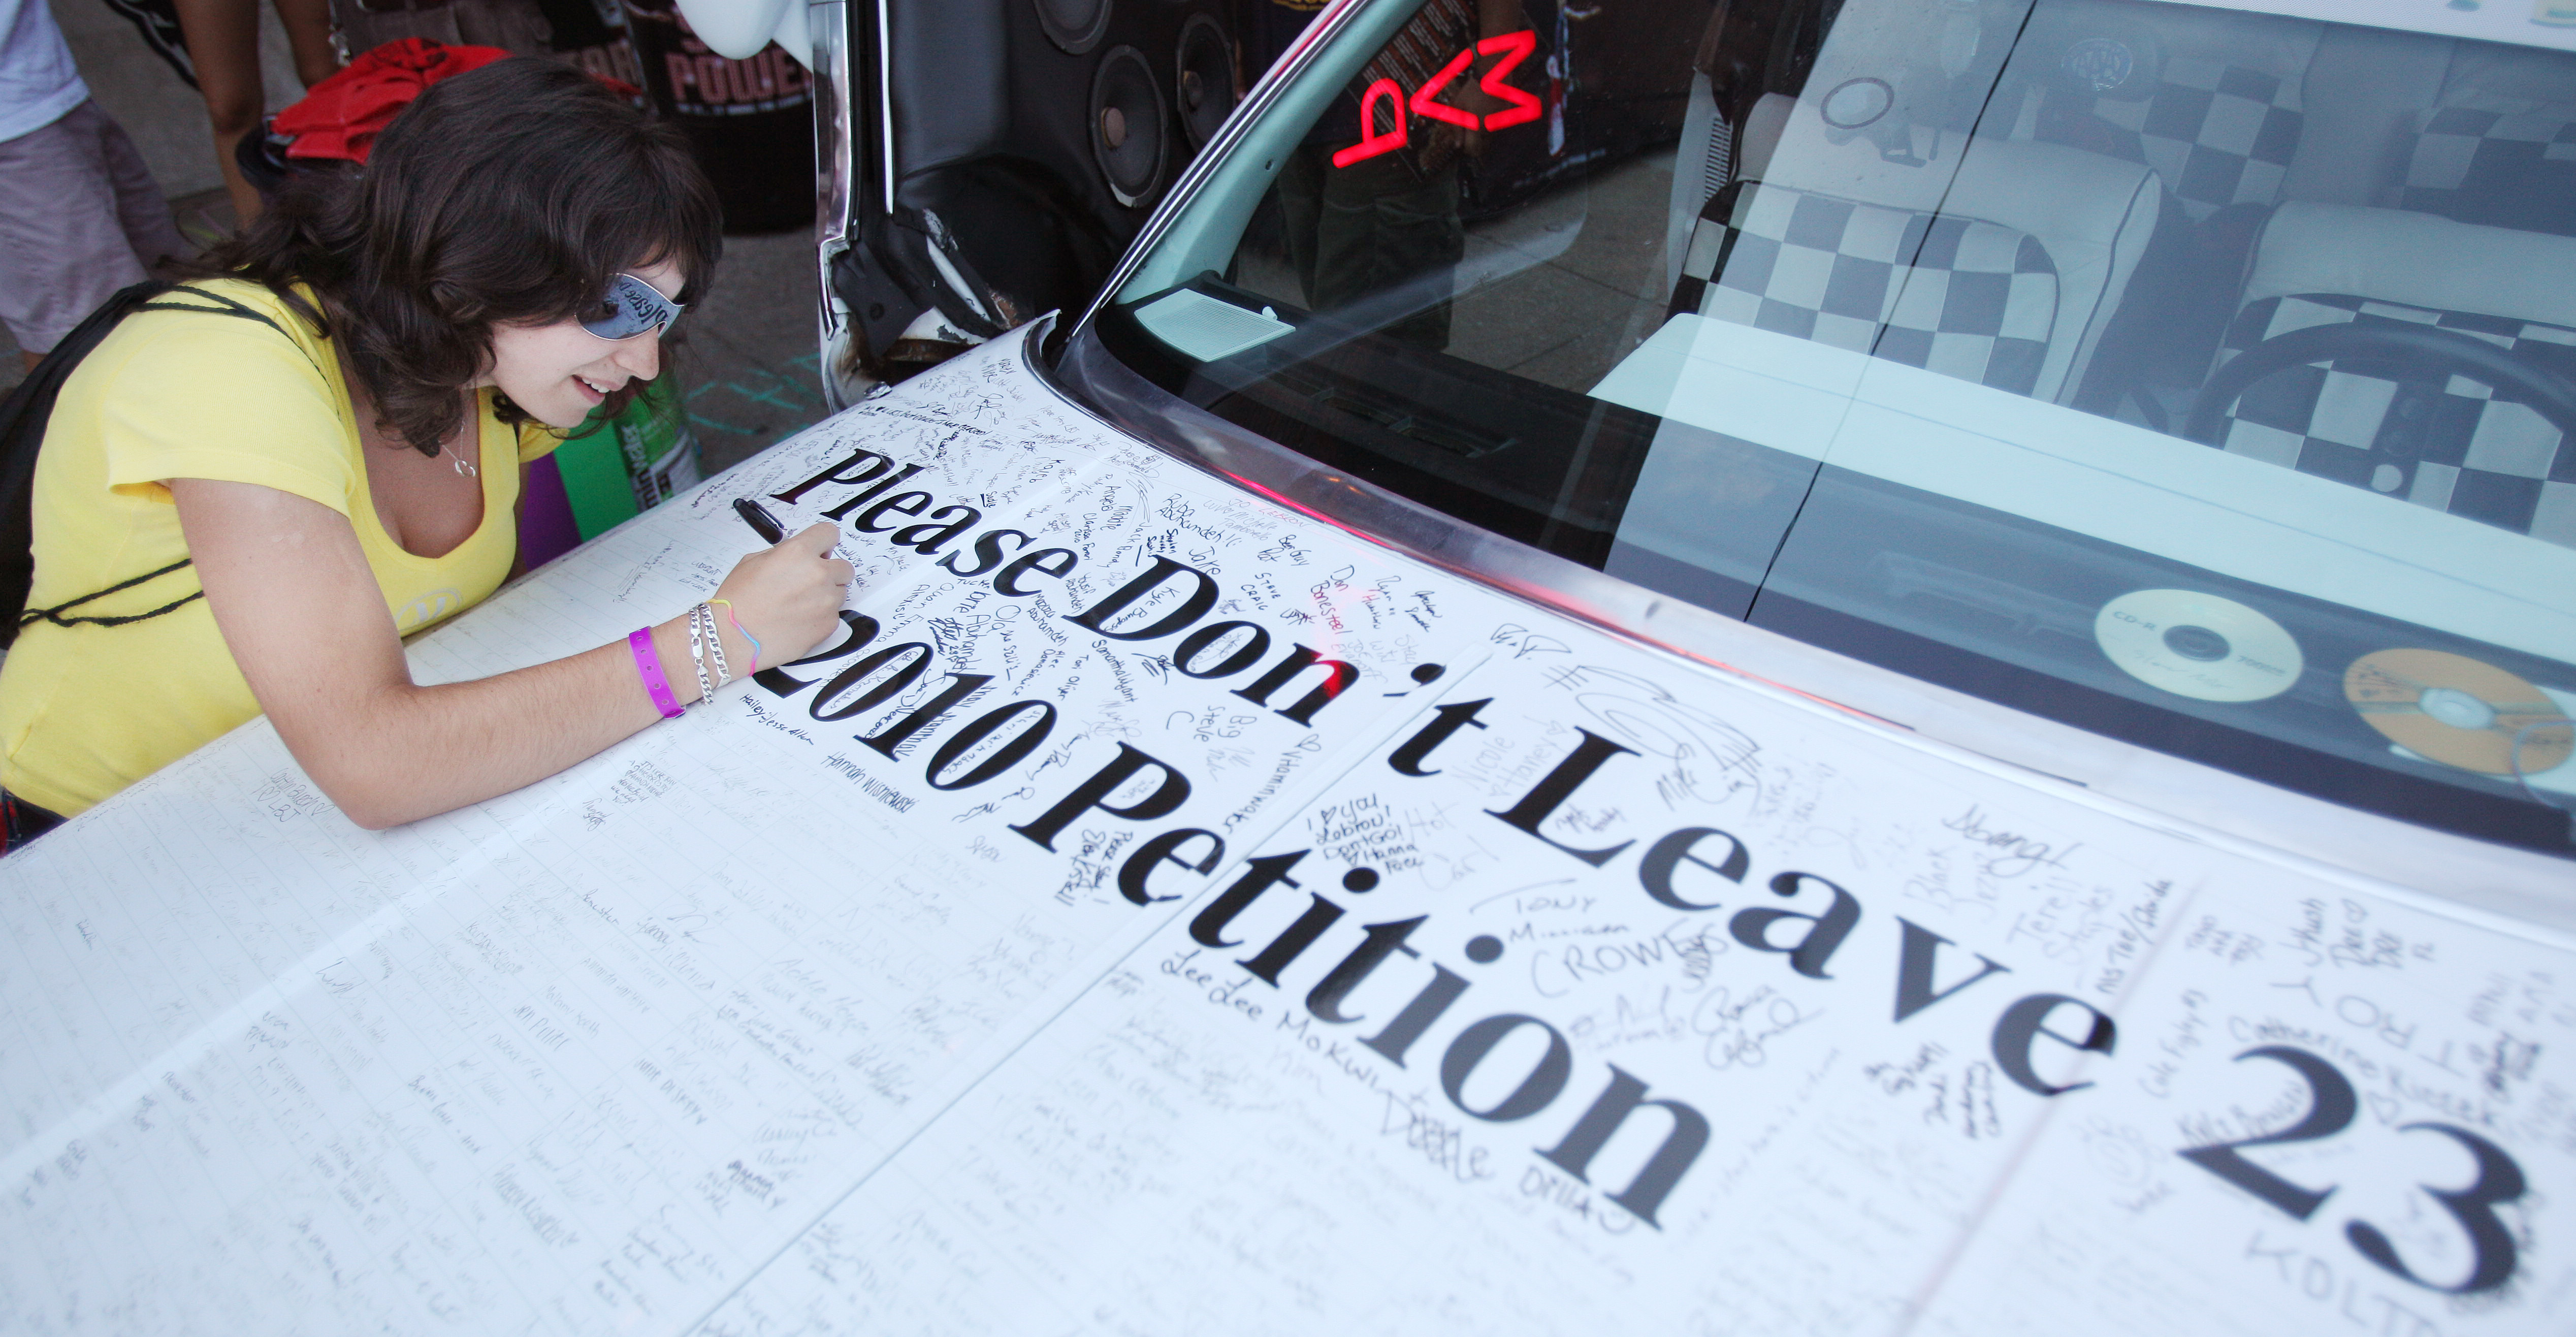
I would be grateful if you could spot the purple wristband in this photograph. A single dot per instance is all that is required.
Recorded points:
(648, 666)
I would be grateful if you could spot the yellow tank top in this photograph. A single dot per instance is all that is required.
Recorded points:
(87, 710)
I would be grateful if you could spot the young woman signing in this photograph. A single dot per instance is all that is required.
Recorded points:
(256, 487)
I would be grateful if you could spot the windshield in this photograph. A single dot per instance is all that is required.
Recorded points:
(2198, 376)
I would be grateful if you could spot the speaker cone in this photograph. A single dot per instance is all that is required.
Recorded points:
(1074, 25)
(1127, 120)
(1204, 76)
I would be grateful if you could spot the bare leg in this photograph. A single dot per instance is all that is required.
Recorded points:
(308, 32)
(223, 43)
(141, 208)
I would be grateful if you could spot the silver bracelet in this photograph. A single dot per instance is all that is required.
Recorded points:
(715, 645)
(698, 653)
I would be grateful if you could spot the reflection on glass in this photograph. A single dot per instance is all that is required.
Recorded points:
(2157, 367)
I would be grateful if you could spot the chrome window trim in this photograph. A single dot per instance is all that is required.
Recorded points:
(2171, 793)
(836, 129)
(827, 29)
(885, 101)
(847, 80)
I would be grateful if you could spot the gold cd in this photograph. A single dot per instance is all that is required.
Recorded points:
(2198, 645)
(2459, 711)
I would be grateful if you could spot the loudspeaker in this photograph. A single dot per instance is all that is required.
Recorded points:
(1074, 26)
(1203, 77)
(1030, 140)
(1130, 125)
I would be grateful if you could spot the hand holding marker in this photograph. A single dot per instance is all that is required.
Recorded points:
(773, 533)
(770, 531)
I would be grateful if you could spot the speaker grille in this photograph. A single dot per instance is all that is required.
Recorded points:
(1074, 25)
(1127, 125)
(1203, 74)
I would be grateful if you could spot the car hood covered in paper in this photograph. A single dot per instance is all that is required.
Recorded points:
(1160, 911)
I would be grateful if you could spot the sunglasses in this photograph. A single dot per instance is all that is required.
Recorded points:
(630, 307)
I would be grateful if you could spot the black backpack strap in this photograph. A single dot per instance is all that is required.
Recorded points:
(55, 613)
(223, 306)
(23, 419)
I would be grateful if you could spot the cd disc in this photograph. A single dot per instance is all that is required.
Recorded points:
(2198, 645)
(2459, 711)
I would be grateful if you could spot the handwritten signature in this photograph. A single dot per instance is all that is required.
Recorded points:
(2006, 853)
(1524, 642)
(1740, 1031)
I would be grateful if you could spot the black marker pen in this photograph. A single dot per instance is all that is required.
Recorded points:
(761, 521)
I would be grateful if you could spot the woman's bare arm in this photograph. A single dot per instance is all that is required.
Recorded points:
(297, 605)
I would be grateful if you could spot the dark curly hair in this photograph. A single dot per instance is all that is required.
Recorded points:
(511, 194)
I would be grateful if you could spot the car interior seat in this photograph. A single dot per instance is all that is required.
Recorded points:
(2216, 103)
(2212, 100)
(1994, 261)
(2352, 389)
(2423, 345)
(2499, 144)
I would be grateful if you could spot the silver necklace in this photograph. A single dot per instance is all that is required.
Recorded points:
(474, 424)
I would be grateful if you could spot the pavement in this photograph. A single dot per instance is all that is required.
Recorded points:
(746, 354)
(746, 358)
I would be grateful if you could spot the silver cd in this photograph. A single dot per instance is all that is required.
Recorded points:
(2198, 645)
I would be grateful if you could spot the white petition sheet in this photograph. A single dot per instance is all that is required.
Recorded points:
(1857, 968)
(1541, 983)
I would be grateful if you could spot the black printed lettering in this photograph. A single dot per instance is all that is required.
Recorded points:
(1165, 849)
(1194, 606)
(1558, 785)
(1170, 792)
(988, 552)
(1666, 856)
(930, 538)
(1623, 1097)
(1914, 969)
(1054, 562)
(1338, 677)
(901, 503)
(2024, 1022)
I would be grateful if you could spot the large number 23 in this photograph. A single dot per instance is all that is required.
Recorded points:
(2331, 1106)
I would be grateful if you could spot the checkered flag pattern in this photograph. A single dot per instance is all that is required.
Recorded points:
(1964, 298)
(2507, 164)
(2217, 134)
(2444, 442)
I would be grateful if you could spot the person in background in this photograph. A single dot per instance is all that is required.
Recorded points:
(1385, 224)
(242, 505)
(80, 216)
(157, 23)
(223, 47)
